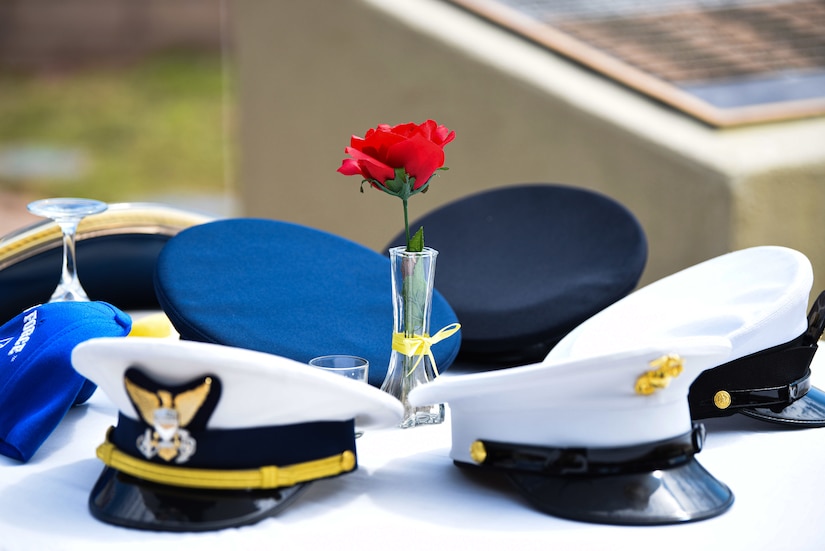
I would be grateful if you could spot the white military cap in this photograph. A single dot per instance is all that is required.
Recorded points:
(605, 438)
(210, 436)
(756, 297)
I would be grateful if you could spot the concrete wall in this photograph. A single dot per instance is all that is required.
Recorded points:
(311, 73)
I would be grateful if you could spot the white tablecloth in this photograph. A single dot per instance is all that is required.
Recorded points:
(407, 494)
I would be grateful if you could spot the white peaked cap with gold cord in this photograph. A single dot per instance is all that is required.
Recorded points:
(211, 436)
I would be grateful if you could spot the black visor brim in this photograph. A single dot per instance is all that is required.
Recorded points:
(680, 494)
(123, 500)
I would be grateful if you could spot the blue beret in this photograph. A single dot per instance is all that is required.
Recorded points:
(285, 289)
(523, 265)
(37, 382)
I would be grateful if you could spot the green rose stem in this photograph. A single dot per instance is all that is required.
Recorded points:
(403, 187)
(406, 222)
(414, 244)
(408, 323)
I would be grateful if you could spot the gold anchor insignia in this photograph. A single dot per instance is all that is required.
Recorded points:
(666, 368)
(168, 416)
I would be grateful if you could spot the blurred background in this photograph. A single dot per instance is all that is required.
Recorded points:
(117, 100)
(244, 107)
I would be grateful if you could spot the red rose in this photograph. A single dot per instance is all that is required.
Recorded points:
(399, 160)
(416, 149)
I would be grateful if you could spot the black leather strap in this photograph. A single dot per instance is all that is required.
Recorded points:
(773, 396)
(591, 461)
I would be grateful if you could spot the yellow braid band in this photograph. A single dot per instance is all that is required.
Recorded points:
(420, 345)
(262, 478)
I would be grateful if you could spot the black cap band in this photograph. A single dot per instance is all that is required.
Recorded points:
(730, 387)
(553, 461)
(772, 378)
(280, 445)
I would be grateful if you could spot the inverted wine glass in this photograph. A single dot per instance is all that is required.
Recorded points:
(67, 212)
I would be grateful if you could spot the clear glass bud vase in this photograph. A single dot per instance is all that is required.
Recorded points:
(411, 364)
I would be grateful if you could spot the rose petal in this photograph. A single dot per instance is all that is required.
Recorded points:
(419, 156)
(349, 167)
(369, 167)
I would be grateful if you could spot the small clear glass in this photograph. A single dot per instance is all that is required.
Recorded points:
(351, 367)
(67, 212)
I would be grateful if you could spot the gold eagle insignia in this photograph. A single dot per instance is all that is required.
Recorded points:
(168, 414)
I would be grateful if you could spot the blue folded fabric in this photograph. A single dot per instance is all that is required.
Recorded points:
(37, 382)
(288, 290)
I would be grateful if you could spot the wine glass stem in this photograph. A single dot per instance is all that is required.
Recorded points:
(69, 288)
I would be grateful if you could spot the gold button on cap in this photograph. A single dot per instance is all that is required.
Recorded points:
(478, 452)
(721, 399)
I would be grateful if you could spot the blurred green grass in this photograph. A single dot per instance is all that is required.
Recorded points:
(160, 126)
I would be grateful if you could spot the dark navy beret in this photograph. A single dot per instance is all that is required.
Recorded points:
(523, 265)
(285, 289)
